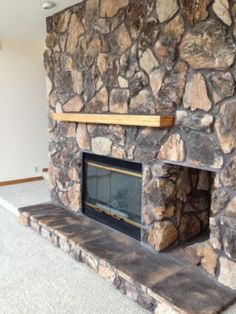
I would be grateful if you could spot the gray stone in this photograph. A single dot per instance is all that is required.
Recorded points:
(220, 52)
(222, 85)
(119, 99)
(143, 102)
(228, 175)
(198, 121)
(226, 125)
(227, 276)
(203, 151)
(101, 145)
(220, 199)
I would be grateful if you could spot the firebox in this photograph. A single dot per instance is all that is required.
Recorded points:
(112, 192)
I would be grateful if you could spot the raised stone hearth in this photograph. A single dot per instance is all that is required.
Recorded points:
(161, 283)
(152, 57)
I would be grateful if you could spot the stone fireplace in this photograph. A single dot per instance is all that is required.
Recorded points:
(151, 57)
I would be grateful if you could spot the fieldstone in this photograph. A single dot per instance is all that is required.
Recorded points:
(106, 271)
(196, 10)
(221, 9)
(135, 18)
(149, 33)
(228, 175)
(74, 31)
(75, 104)
(73, 174)
(108, 67)
(150, 138)
(161, 212)
(203, 181)
(74, 196)
(117, 134)
(215, 235)
(173, 149)
(143, 102)
(166, 9)
(231, 207)
(63, 21)
(162, 235)
(199, 200)
(109, 8)
(101, 145)
(220, 51)
(156, 79)
(122, 38)
(190, 227)
(159, 192)
(208, 258)
(174, 83)
(197, 121)
(166, 46)
(195, 96)
(91, 51)
(234, 17)
(119, 100)
(148, 61)
(203, 151)
(228, 221)
(82, 137)
(129, 62)
(226, 125)
(99, 103)
(118, 152)
(227, 276)
(90, 83)
(77, 82)
(123, 83)
(222, 85)
(51, 40)
(137, 83)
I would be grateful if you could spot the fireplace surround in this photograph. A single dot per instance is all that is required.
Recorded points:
(151, 57)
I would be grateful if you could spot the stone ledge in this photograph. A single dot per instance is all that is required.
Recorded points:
(158, 282)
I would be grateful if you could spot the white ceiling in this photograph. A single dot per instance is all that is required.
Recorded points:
(25, 19)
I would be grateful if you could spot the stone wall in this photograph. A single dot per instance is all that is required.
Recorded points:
(149, 57)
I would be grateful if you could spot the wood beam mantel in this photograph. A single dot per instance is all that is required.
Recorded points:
(154, 121)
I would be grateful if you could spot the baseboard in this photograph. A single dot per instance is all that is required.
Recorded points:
(12, 182)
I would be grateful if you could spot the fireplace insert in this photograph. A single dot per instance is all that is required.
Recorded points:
(112, 192)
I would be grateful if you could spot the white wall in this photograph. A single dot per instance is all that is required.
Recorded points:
(23, 110)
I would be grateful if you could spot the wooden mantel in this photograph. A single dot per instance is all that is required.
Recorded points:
(154, 121)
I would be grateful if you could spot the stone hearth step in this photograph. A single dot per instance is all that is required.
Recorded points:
(160, 282)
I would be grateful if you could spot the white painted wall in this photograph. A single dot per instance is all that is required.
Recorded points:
(23, 110)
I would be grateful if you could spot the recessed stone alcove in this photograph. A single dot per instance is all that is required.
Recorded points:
(152, 57)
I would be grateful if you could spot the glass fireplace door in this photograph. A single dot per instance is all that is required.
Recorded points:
(113, 188)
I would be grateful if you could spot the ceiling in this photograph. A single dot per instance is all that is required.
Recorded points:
(25, 19)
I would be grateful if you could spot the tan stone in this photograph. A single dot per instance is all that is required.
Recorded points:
(195, 11)
(62, 23)
(70, 129)
(73, 174)
(118, 152)
(220, 51)
(24, 220)
(105, 271)
(123, 38)
(110, 8)
(226, 125)
(77, 82)
(99, 103)
(195, 96)
(166, 9)
(75, 30)
(148, 61)
(208, 258)
(74, 197)
(231, 208)
(173, 149)
(156, 79)
(73, 105)
(143, 102)
(123, 83)
(227, 275)
(53, 173)
(51, 40)
(119, 100)
(221, 9)
(162, 235)
(161, 212)
(101, 145)
(82, 137)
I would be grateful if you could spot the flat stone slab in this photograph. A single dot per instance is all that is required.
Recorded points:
(149, 278)
(194, 292)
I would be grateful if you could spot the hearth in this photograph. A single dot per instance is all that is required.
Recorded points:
(112, 192)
